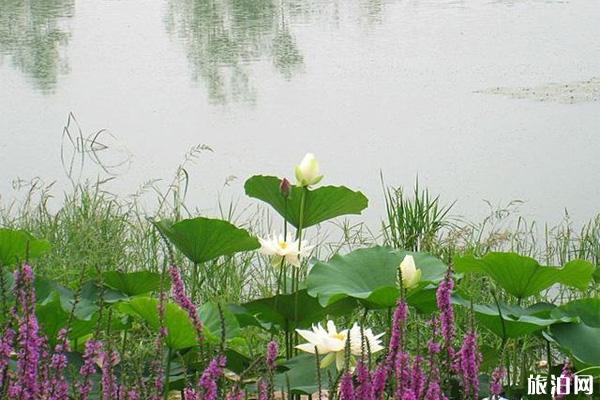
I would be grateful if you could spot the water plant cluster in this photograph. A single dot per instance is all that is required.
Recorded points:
(398, 321)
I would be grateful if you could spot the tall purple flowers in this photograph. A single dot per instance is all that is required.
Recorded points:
(444, 303)
(210, 377)
(347, 387)
(28, 338)
(93, 348)
(184, 301)
(496, 384)
(470, 360)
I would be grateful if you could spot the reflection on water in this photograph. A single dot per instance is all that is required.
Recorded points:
(33, 38)
(226, 39)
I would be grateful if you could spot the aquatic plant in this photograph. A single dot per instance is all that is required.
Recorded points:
(374, 323)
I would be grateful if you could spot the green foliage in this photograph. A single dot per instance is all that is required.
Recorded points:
(54, 316)
(17, 246)
(321, 204)
(181, 332)
(511, 321)
(523, 276)
(203, 239)
(370, 275)
(301, 372)
(133, 283)
(579, 338)
(277, 312)
(413, 223)
(211, 318)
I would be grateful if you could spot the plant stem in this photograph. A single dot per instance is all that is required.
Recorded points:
(167, 373)
(194, 281)
(296, 274)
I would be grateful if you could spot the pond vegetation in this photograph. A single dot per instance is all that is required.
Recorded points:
(101, 302)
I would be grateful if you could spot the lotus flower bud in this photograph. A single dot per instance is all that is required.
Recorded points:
(410, 274)
(285, 187)
(307, 172)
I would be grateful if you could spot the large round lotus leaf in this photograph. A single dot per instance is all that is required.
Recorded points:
(53, 315)
(588, 310)
(300, 375)
(321, 204)
(133, 283)
(581, 339)
(279, 311)
(210, 316)
(181, 332)
(370, 275)
(511, 321)
(523, 276)
(17, 246)
(203, 239)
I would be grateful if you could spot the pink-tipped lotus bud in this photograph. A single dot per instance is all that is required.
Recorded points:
(285, 187)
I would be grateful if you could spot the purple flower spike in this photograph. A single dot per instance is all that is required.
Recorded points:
(347, 388)
(210, 376)
(470, 360)
(364, 391)
(272, 353)
(444, 303)
(184, 301)
(496, 385)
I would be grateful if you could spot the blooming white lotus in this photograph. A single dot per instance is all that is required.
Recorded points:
(307, 172)
(328, 342)
(279, 248)
(410, 274)
(371, 341)
(332, 344)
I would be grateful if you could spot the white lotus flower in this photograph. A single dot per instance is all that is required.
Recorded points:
(410, 274)
(279, 248)
(332, 344)
(329, 343)
(372, 341)
(307, 173)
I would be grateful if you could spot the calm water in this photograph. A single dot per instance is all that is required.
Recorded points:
(494, 100)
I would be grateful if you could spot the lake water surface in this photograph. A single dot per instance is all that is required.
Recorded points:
(494, 100)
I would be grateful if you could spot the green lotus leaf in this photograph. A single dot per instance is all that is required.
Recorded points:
(54, 314)
(180, 331)
(321, 204)
(511, 321)
(16, 246)
(523, 276)
(301, 374)
(203, 239)
(210, 316)
(371, 276)
(581, 338)
(278, 312)
(133, 283)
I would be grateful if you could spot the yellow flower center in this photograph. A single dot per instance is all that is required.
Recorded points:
(283, 244)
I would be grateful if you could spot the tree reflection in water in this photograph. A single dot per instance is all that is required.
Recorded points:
(225, 39)
(33, 38)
